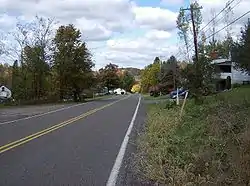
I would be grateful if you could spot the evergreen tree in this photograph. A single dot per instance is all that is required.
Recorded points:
(241, 50)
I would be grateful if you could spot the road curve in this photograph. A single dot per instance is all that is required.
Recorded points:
(77, 146)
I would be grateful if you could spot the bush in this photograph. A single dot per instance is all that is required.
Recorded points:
(170, 104)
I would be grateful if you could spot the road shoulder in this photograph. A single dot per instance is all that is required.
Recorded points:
(127, 175)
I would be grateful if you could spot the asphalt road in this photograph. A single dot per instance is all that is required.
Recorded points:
(14, 113)
(75, 146)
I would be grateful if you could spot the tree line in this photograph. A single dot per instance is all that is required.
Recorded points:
(199, 77)
(53, 66)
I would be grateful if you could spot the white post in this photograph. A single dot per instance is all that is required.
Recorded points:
(177, 97)
(232, 68)
(160, 77)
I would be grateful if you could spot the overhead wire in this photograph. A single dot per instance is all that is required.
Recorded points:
(234, 21)
(217, 15)
(233, 7)
(211, 21)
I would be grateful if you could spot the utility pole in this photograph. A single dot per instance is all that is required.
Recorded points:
(195, 34)
(192, 8)
(197, 66)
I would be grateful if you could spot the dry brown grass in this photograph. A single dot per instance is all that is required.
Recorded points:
(210, 146)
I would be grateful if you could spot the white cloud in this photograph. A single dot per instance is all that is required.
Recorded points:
(157, 34)
(115, 15)
(93, 31)
(7, 22)
(155, 18)
(138, 51)
(108, 25)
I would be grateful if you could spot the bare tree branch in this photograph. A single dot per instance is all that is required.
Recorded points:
(38, 32)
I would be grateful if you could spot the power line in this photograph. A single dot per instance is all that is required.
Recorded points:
(178, 54)
(243, 15)
(224, 16)
(237, 19)
(227, 5)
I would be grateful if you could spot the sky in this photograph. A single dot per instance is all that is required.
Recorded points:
(129, 33)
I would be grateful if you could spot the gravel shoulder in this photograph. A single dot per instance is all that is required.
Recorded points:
(128, 174)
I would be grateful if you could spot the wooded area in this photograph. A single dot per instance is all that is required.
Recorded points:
(50, 67)
(196, 72)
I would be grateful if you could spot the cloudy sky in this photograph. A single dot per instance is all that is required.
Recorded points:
(125, 32)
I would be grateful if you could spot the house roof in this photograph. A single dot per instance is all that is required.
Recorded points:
(219, 61)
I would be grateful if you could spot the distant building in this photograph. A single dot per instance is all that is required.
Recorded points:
(227, 72)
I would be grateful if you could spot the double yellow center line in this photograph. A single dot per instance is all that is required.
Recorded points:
(26, 139)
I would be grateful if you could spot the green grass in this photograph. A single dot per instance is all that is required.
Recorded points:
(209, 145)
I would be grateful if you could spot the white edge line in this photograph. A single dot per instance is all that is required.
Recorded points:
(118, 162)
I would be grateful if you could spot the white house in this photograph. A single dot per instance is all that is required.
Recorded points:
(119, 91)
(5, 93)
(228, 71)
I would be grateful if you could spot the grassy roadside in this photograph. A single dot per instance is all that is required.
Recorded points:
(209, 146)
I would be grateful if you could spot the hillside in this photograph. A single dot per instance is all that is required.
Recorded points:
(132, 71)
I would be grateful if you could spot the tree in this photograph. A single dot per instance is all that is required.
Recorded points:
(241, 48)
(31, 49)
(197, 16)
(16, 80)
(197, 82)
(109, 76)
(170, 72)
(150, 76)
(157, 60)
(48, 67)
(5, 75)
(183, 23)
(72, 62)
(38, 31)
(219, 48)
(38, 69)
(202, 84)
(136, 88)
(183, 26)
(127, 81)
